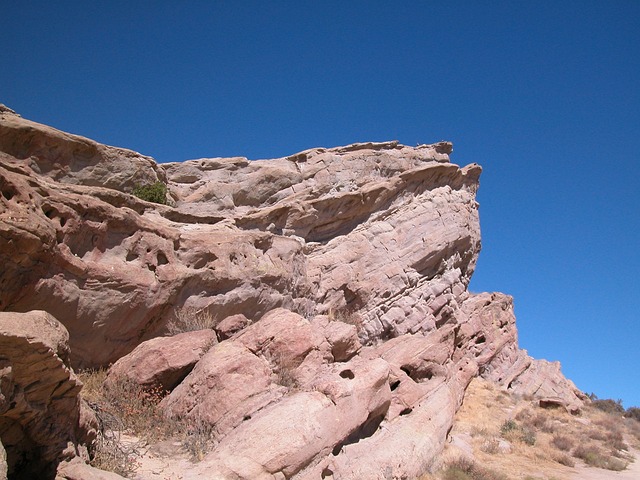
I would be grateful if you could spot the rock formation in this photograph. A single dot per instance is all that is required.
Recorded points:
(42, 419)
(338, 278)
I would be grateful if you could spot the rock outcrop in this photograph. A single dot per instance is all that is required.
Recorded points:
(42, 418)
(338, 278)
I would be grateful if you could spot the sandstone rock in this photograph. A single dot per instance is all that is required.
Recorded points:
(40, 410)
(231, 325)
(224, 389)
(163, 362)
(78, 470)
(283, 337)
(343, 340)
(286, 437)
(73, 159)
(496, 344)
(3, 463)
(325, 230)
(348, 336)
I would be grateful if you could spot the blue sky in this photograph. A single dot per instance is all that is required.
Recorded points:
(544, 95)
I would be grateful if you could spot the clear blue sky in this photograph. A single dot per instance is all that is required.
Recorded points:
(544, 95)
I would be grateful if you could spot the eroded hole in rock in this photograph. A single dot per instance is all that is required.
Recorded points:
(347, 374)
(48, 212)
(246, 417)
(481, 339)
(263, 244)
(394, 385)
(406, 411)
(131, 256)
(8, 194)
(326, 473)
(63, 221)
(420, 373)
(162, 259)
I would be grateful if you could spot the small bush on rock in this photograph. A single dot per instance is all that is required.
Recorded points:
(154, 192)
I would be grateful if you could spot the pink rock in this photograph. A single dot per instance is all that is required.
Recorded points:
(284, 438)
(282, 336)
(78, 470)
(231, 325)
(40, 409)
(224, 389)
(163, 362)
(343, 339)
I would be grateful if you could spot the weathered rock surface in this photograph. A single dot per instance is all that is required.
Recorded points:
(512, 367)
(163, 362)
(387, 231)
(68, 158)
(338, 278)
(41, 416)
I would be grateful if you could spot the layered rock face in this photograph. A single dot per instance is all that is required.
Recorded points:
(338, 276)
(382, 230)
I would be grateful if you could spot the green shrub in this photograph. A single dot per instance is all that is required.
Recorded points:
(528, 436)
(152, 192)
(508, 426)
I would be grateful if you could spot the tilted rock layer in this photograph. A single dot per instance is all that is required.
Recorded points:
(338, 277)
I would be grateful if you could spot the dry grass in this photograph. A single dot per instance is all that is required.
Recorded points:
(189, 319)
(124, 408)
(348, 316)
(464, 469)
(595, 457)
(541, 443)
(562, 442)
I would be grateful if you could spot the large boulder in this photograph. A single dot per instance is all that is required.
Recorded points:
(163, 362)
(42, 420)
